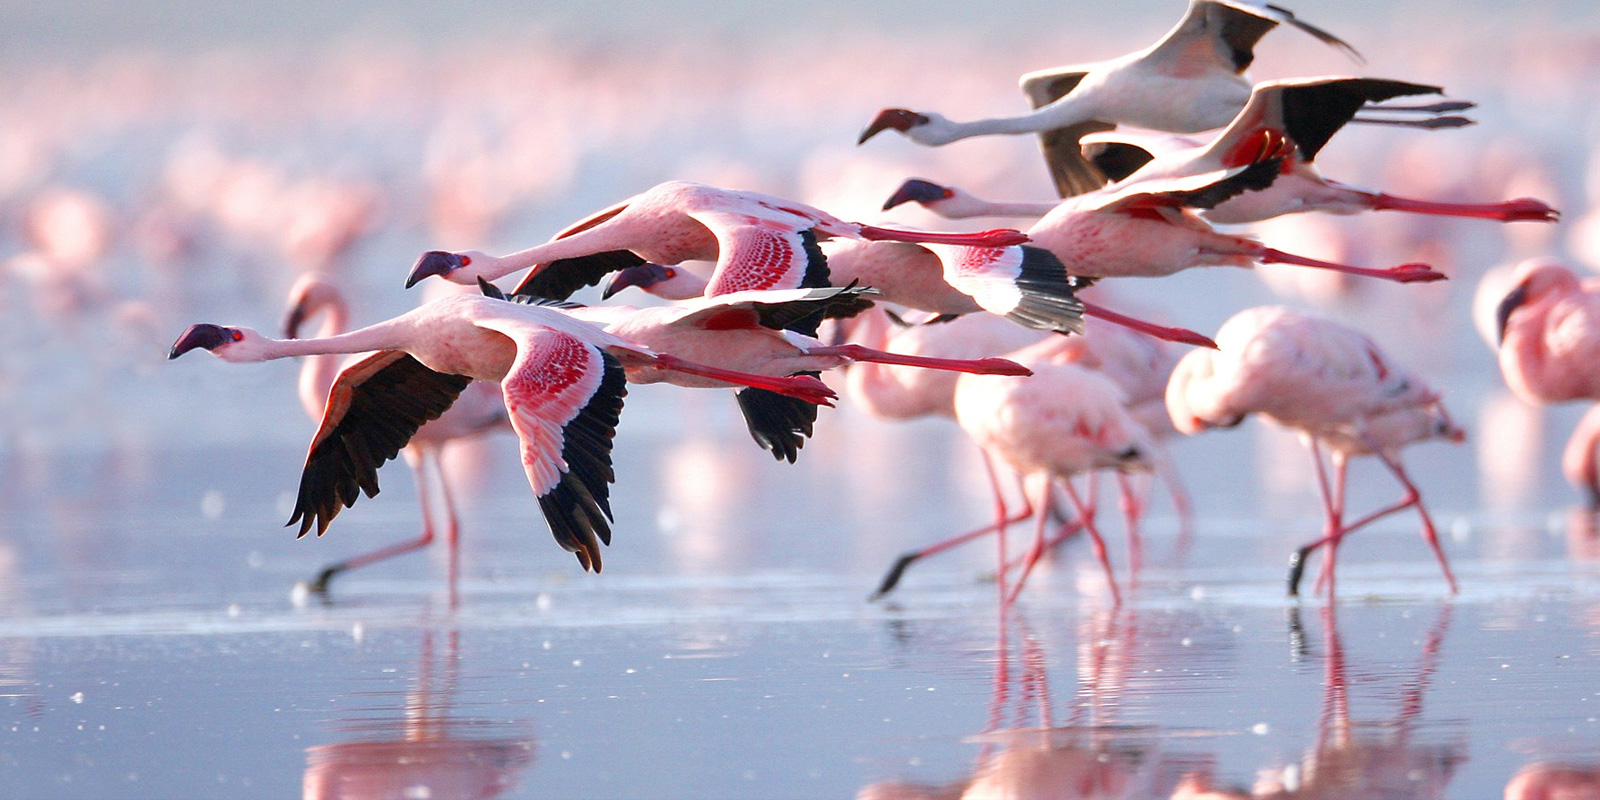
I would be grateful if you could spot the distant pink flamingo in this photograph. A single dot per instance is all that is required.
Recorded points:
(1148, 229)
(1191, 80)
(1333, 385)
(1549, 331)
(562, 381)
(1063, 421)
(479, 409)
(758, 241)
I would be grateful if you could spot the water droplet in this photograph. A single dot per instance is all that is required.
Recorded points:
(77, 697)
(1261, 729)
(213, 505)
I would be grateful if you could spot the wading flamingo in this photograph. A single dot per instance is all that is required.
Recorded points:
(1332, 384)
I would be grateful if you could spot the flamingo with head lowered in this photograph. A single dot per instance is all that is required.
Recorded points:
(562, 381)
(1332, 384)
(1190, 81)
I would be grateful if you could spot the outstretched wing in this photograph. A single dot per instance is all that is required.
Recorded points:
(375, 406)
(1069, 170)
(1206, 190)
(776, 309)
(564, 397)
(758, 253)
(1225, 33)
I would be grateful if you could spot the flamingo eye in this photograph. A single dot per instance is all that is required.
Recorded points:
(672, 273)
(947, 194)
(238, 336)
(466, 261)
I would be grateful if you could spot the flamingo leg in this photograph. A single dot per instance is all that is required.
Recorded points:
(1333, 513)
(1037, 550)
(326, 576)
(1429, 533)
(1331, 557)
(803, 387)
(1068, 529)
(1087, 516)
(1133, 507)
(1163, 332)
(1522, 209)
(1405, 273)
(1181, 503)
(452, 529)
(979, 366)
(999, 237)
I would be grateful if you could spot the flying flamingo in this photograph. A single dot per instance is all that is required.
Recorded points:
(1148, 229)
(1190, 81)
(758, 242)
(1549, 331)
(1063, 421)
(749, 332)
(1308, 111)
(1332, 384)
(479, 409)
(562, 380)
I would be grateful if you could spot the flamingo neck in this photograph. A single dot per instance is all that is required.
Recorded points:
(383, 336)
(598, 239)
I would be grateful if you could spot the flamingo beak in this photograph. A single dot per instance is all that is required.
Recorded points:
(643, 276)
(917, 190)
(897, 118)
(433, 262)
(294, 319)
(1502, 314)
(203, 335)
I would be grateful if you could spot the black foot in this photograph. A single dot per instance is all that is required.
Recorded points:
(1297, 567)
(893, 578)
(320, 585)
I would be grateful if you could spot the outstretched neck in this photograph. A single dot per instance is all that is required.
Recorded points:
(382, 336)
(588, 242)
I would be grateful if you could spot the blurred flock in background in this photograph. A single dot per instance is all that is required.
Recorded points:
(168, 163)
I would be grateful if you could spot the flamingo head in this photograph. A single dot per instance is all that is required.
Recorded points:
(899, 119)
(919, 191)
(1536, 279)
(670, 283)
(311, 294)
(453, 267)
(228, 344)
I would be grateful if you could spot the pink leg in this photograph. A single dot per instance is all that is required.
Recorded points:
(452, 530)
(1132, 513)
(1331, 557)
(1001, 237)
(1180, 503)
(1001, 522)
(803, 387)
(1037, 550)
(1522, 209)
(1429, 534)
(1405, 273)
(979, 366)
(1094, 536)
(1333, 515)
(320, 585)
(1179, 335)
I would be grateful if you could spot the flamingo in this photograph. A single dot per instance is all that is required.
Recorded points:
(1191, 80)
(1549, 333)
(1147, 229)
(1025, 284)
(758, 242)
(1332, 384)
(1064, 421)
(1137, 365)
(478, 410)
(1308, 111)
(562, 381)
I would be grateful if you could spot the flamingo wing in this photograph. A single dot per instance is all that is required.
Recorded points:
(1206, 190)
(1313, 111)
(1029, 285)
(559, 279)
(564, 397)
(1069, 170)
(779, 309)
(755, 252)
(1224, 33)
(375, 406)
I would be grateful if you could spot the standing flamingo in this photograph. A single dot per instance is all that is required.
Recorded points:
(479, 409)
(562, 380)
(1064, 421)
(1191, 80)
(1549, 331)
(758, 242)
(1332, 384)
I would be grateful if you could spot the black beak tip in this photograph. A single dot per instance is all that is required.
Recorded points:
(915, 190)
(433, 262)
(1502, 313)
(202, 335)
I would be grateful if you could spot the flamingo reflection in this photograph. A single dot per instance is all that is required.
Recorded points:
(424, 753)
(1354, 760)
